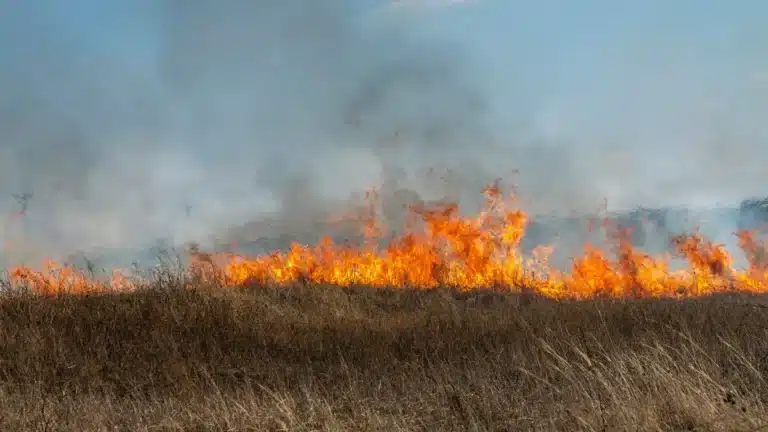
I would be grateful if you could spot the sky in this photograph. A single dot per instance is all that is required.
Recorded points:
(119, 113)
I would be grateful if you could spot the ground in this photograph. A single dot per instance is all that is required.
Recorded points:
(324, 358)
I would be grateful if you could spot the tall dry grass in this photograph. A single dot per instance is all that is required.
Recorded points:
(323, 358)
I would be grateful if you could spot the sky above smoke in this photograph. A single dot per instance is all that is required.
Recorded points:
(121, 116)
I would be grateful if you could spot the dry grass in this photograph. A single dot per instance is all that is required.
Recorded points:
(323, 358)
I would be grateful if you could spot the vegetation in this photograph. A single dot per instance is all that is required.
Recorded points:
(341, 337)
(307, 357)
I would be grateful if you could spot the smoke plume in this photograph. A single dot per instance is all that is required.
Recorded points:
(201, 116)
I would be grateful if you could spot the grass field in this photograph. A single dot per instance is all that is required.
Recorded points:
(311, 338)
(324, 358)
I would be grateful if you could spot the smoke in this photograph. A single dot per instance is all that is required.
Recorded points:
(63, 112)
(298, 91)
(240, 111)
(192, 117)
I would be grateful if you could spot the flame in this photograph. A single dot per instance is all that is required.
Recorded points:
(447, 249)
(56, 278)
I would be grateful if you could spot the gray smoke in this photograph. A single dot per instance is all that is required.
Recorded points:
(269, 116)
(273, 110)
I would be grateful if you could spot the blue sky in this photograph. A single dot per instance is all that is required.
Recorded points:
(568, 45)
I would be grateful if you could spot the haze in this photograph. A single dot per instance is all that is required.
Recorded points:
(131, 121)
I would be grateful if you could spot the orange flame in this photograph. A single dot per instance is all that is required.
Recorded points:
(56, 279)
(448, 249)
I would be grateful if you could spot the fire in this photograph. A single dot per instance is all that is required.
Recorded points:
(447, 249)
(56, 278)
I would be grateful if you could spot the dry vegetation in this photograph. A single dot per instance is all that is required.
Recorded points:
(323, 358)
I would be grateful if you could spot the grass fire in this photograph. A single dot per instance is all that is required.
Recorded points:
(191, 241)
(446, 326)
(441, 248)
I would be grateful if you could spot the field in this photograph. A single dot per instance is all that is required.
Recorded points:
(447, 327)
(304, 358)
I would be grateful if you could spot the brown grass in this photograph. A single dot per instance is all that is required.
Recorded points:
(324, 358)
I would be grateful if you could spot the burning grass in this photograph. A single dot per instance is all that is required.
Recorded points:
(439, 247)
(446, 327)
(304, 358)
